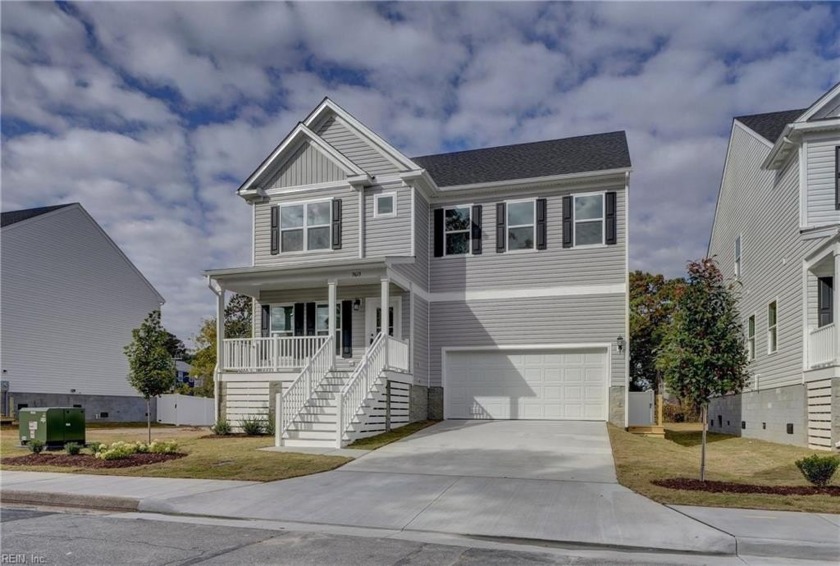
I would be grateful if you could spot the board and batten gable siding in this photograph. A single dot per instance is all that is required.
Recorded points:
(69, 303)
(551, 267)
(349, 230)
(388, 236)
(355, 147)
(530, 321)
(821, 177)
(763, 206)
(306, 166)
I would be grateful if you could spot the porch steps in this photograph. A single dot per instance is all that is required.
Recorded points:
(317, 423)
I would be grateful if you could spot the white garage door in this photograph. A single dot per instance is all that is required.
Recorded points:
(531, 384)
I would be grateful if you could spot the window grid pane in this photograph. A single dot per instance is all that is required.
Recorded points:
(384, 205)
(589, 207)
(457, 223)
(589, 233)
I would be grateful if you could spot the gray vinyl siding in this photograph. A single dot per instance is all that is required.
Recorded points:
(355, 147)
(418, 272)
(307, 166)
(69, 303)
(349, 232)
(764, 207)
(388, 236)
(821, 180)
(346, 293)
(421, 341)
(551, 267)
(530, 321)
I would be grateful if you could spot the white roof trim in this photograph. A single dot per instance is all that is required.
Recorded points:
(390, 151)
(291, 141)
(820, 103)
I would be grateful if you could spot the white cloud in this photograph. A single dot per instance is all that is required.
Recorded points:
(157, 111)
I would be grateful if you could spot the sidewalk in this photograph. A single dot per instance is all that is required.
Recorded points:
(776, 534)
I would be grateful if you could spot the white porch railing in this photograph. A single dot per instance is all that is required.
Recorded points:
(822, 345)
(354, 393)
(270, 354)
(397, 354)
(300, 391)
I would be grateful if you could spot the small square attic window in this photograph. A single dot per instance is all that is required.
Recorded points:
(385, 205)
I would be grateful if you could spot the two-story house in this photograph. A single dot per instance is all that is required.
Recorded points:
(775, 235)
(70, 299)
(502, 273)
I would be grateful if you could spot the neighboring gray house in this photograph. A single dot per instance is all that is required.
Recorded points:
(504, 272)
(775, 233)
(70, 299)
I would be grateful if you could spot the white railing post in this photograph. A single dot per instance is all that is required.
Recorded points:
(331, 318)
(278, 418)
(339, 423)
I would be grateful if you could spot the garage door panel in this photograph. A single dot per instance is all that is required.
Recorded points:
(556, 384)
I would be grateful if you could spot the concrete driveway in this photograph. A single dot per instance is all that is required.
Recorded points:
(552, 481)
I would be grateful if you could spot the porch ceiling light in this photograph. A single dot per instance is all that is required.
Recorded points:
(357, 304)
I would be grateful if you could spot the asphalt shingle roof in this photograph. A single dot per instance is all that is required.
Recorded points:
(15, 216)
(597, 152)
(770, 125)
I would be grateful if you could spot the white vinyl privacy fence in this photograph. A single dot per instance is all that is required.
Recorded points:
(185, 410)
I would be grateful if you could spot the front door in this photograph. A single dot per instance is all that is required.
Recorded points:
(373, 318)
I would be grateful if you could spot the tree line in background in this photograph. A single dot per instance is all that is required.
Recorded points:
(238, 324)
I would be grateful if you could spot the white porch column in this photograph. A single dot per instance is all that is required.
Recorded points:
(332, 288)
(220, 328)
(385, 304)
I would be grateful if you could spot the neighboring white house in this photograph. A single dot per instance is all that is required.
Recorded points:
(776, 234)
(70, 299)
(503, 273)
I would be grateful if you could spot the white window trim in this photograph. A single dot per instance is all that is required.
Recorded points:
(393, 213)
(774, 327)
(738, 254)
(508, 225)
(305, 227)
(751, 352)
(292, 305)
(468, 230)
(602, 194)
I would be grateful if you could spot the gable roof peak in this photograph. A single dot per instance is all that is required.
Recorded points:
(14, 216)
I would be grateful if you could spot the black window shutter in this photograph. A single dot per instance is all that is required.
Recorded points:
(275, 230)
(825, 304)
(336, 224)
(265, 321)
(542, 233)
(475, 236)
(568, 221)
(438, 232)
(501, 223)
(837, 177)
(300, 317)
(310, 319)
(610, 217)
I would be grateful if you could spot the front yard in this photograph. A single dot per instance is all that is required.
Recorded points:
(208, 457)
(640, 460)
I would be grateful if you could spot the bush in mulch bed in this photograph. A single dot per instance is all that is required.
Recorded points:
(729, 487)
(86, 461)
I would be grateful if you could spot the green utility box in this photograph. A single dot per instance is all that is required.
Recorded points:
(54, 426)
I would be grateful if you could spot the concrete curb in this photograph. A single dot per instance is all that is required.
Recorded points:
(100, 502)
(793, 549)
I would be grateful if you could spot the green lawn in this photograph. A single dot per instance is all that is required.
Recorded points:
(639, 460)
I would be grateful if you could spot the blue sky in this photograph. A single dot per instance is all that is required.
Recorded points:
(151, 114)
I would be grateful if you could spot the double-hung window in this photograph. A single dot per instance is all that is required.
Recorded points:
(772, 327)
(751, 337)
(305, 227)
(589, 220)
(457, 223)
(521, 220)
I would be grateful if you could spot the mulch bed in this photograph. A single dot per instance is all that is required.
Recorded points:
(729, 487)
(88, 461)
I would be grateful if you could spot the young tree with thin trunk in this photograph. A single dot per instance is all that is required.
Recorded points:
(703, 352)
(151, 369)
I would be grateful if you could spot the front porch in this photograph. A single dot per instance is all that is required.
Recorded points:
(320, 364)
(822, 310)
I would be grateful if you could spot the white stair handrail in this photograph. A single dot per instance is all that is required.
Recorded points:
(362, 380)
(302, 388)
